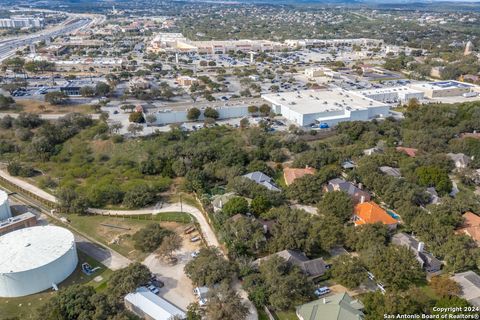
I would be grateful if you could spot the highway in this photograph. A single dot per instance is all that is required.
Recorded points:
(10, 46)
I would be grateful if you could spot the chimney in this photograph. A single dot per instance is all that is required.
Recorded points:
(360, 186)
(420, 247)
(362, 199)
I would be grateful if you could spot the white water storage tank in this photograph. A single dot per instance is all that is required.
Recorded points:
(5, 212)
(34, 259)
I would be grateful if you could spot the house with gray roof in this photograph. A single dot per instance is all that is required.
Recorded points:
(336, 307)
(219, 201)
(262, 179)
(312, 268)
(428, 262)
(358, 195)
(469, 283)
(390, 171)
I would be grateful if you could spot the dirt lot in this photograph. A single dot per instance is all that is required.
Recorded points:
(178, 288)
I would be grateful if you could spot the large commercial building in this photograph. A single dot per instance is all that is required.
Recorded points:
(177, 42)
(21, 22)
(329, 106)
(333, 42)
(35, 259)
(448, 88)
(393, 94)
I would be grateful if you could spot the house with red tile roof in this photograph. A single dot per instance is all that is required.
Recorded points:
(292, 174)
(370, 212)
(471, 226)
(411, 152)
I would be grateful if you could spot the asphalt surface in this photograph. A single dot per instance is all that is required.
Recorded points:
(9, 47)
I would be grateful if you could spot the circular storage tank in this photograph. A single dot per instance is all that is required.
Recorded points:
(33, 259)
(5, 212)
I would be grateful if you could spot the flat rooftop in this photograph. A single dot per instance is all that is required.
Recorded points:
(322, 100)
(402, 89)
(443, 85)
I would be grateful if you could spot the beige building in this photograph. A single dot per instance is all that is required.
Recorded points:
(186, 81)
(449, 88)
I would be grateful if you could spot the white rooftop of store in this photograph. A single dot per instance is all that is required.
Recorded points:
(322, 100)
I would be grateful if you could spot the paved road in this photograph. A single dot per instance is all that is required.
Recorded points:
(9, 47)
(206, 229)
(111, 259)
(114, 260)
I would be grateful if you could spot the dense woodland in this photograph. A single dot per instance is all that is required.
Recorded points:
(86, 164)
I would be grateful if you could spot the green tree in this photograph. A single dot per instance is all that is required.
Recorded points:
(349, 271)
(260, 204)
(395, 266)
(150, 237)
(210, 113)
(102, 89)
(225, 304)
(139, 196)
(235, 205)
(209, 267)
(193, 114)
(337, 204)
(265, 109)
(284, 285)
(87, 91)
(136, 117)
(56, 97)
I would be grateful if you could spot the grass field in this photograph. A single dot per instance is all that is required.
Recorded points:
(26, 307)
(116, 232)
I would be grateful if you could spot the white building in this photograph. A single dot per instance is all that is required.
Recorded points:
(21, 22)
(147, 305)
(35, 259)
(449, 88)
(177, 42)
(329, 106)
(5, 212)
(393, 94)
(332, 42)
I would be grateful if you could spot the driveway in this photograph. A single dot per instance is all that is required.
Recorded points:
(178, 287)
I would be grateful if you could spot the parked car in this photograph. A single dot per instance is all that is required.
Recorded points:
(322, 291)
(153, 289)
(195, 254)
(195, 239)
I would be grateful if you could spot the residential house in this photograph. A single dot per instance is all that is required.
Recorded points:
(469, 283)
(461, 160)
(262, 179)
(219, 200)
(336, 307)
(292, 174)
(389, 171)
(348, 165)
(357, 194)
(149, 306)
(312, 268)
(411, 152)
(471, 226)
(428, 262)
(370, 212)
